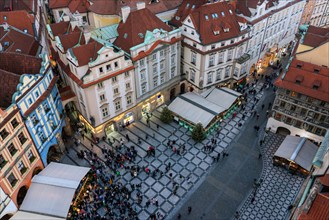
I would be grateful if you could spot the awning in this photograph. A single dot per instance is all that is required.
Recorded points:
(299, 150)
(223, 97)
(52, 190)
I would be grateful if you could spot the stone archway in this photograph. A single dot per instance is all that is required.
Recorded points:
(21, 195)
(283, 131)
(54, 154)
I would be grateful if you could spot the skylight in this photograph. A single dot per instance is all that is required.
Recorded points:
(223, 14)
(141, 35)
(215, 15)
(206, 17)
(230, 11)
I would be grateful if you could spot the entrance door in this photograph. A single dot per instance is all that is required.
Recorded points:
(109, 129)
(172, 93)
(182, 88)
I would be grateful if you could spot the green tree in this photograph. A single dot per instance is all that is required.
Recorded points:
(198, 133)
(166, 115)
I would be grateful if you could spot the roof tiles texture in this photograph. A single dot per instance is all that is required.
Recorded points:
(74, 5)
(319, 209)
(72, 39)
(12, 66)
(210, 18)
(306, 73)
(86, 53)
(316, 36)
(26, 5)
(18, 19)
(245, 5)
(63, 27)
(137, 23)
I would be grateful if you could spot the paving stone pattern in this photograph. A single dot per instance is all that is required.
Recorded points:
(278, 189)
(186, 169)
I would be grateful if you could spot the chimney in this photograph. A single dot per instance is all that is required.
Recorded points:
(125, 13)
(140, 5)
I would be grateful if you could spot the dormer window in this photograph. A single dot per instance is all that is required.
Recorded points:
(316, 84)
(187, 5)
(206, 17)
(230, 12)
(141, 35)
(299, 79)
(226, 30)
(316, 70)
(125, 36)
(177, 18)
(5, 18)
(216, 32)
(25, 31)
(215, 15)
(193, 6)
(154, 1)
(223, 14)
(299, 66)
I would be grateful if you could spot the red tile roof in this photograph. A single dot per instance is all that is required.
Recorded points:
(138, 22)
(72, 39)
(63, 27)
(325, 179)
(18, 41)
(86, 53)
(12, 66)
(319, 209)
(18, 19)
(74, 5)
(208, 18)
(184, 10)
(15, 5)
(311, 78)
(113, 7)
(316, 36)
(243, 6)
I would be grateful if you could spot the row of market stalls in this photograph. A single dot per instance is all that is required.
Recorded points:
(52, 192)
(208, 108)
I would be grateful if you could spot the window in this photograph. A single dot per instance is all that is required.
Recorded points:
(194, 45)
(108, 67)
(155, 82)
(206, 17)
(218, 74)
(102, 97)
(42, 137)
(31, 156)
(34, 119)
(46, 107)
(128, 86)
(29, 101)
(143, 87)
(215, 15)
(37, 94)
(127, 74)
(2, 161)
(227, 72)
(236, 71)
(220, 57)
(211, 60)
(229, 55)
(192, 32)
(142, 75)
(172, 60)
(173, 48)
(117, 105)
(116, 64)
(105, 112)
(173, 72)
(101, 70)
(222, 44)
(213, 46)
(209, 77)
(12, 179)
(14, 123)
(4, 134)
(154, 57)
(12, 150)
(21, 167)
(142, 63)
(114, 79)
(129, 100)
(162, 78)
(223, 14)
(192, 75)
(22, 138)
(193, 57)
(100, 85)
(161, 65)
(116, 91)
(161, 53)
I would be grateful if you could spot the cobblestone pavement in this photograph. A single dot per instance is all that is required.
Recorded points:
(278, 189)
(186, 170)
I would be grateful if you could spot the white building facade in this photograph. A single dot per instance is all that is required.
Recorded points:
(320, 14)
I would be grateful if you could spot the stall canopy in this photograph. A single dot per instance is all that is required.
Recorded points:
(52, 190)
(203, 108)
(297, 149)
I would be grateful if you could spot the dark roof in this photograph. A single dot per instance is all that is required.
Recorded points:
(184, 10)
(74, 5)
(86, 53)
(308, 78)
(113, 7)
(319, 208)
(316, 36)
(13, 40)
(63, 27)
(136, 25)
(242, 6)
(18, 19)
(72, 39)
(209, 18)
(26, 5)
(12, 66)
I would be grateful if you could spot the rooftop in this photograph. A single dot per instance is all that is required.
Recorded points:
(74, 5)
(315, 36)
(306, 78)
(18, 19)
(71, 40)
(243, 7)
(319, 208)
(86, 53)
(63, 27)
(132, 32)
(12, 66)
(14, 5)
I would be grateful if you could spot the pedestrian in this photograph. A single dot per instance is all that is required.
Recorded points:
(269, 105)
(148, 203)
(83, 136)
(259, 155)
(218, 157)
(127, 137)
(146, 136)
(153, 135)
(189, 209)
(257, 116)
(158, 126)
(252, 200)
(92, 146)
(179, 216)
(236, 215)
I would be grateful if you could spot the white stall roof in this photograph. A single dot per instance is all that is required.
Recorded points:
(223, 97)
(299, 150)
(52, 190)
(21, 215)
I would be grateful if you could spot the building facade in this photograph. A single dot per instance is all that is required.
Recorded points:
(320, 13)
(301, 106)
(307, 13)
(214, 46)
(35, 93)
(154, 48)
(274, 24)
(19, 160)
